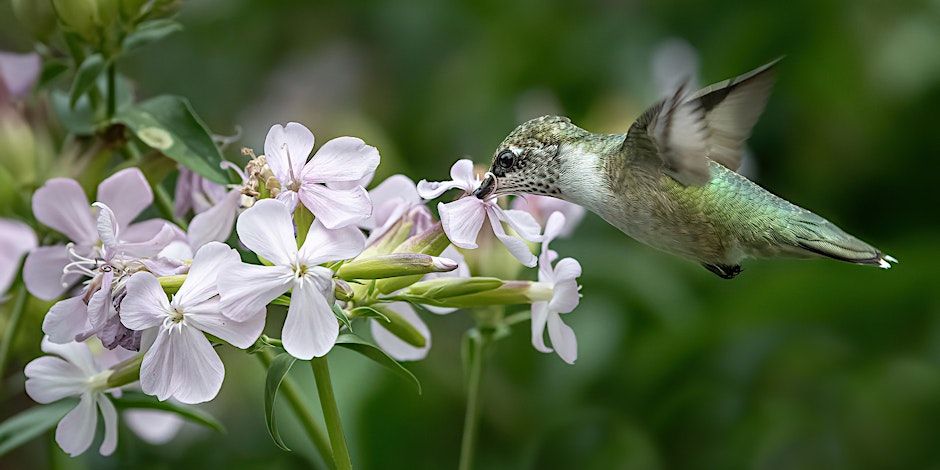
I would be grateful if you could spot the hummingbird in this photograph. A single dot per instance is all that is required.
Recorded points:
(671, 180)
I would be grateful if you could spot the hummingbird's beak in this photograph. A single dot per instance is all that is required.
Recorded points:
(487, 187)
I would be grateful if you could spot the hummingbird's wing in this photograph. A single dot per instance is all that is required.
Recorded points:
(712, 123)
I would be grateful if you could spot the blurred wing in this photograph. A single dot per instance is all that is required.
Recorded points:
(713, 122)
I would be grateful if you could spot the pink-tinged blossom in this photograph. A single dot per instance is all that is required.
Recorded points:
(394, 198)
(323, 184)
(266, 228)
(182, 363)
(70, 370)
(18, 74)
(214, 206)
(16, 239)
(562, 278)
(541, 207)
(463, 219)
(61, 205)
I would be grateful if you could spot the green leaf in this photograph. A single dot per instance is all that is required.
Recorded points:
(21, 428)
(369, 312)
(150, 31)
(85, 77)
(279, 368)
(371, 351)
(342, 317)
(136, 400)
(82, 119)
(169, 124)
(51, 69)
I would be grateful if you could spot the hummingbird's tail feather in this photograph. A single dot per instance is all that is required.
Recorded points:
(818, 236)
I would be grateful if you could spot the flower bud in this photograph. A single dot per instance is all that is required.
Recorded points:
(446, 287)
(510, 293)
(389, 240)
(79, 16)
(432, 241)
(394, 265)
(37, 16)
(342, 290)
(171, 284)
(107, 11)
(399, 327)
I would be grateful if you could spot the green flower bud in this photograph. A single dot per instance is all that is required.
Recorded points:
(446, 287)
(107, 11)
(399, 327)
(171, 284)
(397, 234)
(510, 293)
(342, 290)
(37, 16)
(79, 16)
(131, 9)
(394, 265)
(432, 241)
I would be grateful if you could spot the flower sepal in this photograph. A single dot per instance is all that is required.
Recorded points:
(395, 265)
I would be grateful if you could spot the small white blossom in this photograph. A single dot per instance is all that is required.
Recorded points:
(563, 279)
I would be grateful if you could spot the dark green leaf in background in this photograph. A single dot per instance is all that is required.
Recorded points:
(371, 351)
(279, 368)
(85, 77)
(150, 31)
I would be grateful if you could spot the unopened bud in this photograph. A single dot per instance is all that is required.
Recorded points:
(342, 290)
(510, 293)
(172, 284)
(389, 240)
(399, 327)
(37, 16)
(432, 241)
(395, 265)
(445, 287)
(79, 16)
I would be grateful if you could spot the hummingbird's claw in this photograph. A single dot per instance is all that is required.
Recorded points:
(487, 186)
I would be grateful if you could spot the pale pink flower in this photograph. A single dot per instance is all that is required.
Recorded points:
(463, 218)
(16, 239)
(541, 207)
(214, 206)
(322, 184)
(267, 229)
(394, 198)
(182, 363)
(18, 74)
(563, 281)
(71, 371)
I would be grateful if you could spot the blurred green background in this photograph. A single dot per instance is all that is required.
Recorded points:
(795, 364)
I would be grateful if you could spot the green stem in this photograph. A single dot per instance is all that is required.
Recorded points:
(474, 402)
(303, 413)
(112, 92)
(321, 372)
(9, 334)
(165, 204)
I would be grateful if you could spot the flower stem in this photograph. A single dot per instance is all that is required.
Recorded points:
(112, 91)
(290, 391)
(474, 401)
(164, 203)
(19, 306)
(321, 372)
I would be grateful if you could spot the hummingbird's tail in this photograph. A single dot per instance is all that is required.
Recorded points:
(816, 235)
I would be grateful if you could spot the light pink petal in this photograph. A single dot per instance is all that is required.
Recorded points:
(75, 353)
(17, 239)
(434, 189)
(311, 328)
(186, 185)
(42, 272)
(323, 244)
(145, 249)
(19, 72)
(65, 320)
(215, 224)
(341, 159)
(201, 283)
(267, 229)
(393, 345)
(541, 207)
(563, 339)
(145, 304)
(148, 229)
(182, 364)
(539, 319)
(522, 222)
(462, 173)
(336, 207)
(462, 220)
(50, 379)
(209, 319)
(61, 204)
(109, 416)
(289, 198)
(246, 289)
(553, 227)
(99, 306)
(154, 427)
(127, 193)
(391, 198)
(517, 248)
(77, 429)
(565, 293)
(286, 149)
(156, 370)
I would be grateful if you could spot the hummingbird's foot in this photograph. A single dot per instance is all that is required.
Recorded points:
(724, 272)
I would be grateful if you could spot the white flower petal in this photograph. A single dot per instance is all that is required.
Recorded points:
(289, 199)
(311, 328)
(153, 426)
(539, 319)
(149, 248)
(395, 187)
(462, 173)
(65, 320)
(62, 205)
(50, 379)
(109, 416)
(286, 149)
(208, 318)
(127, 193)
(75, 353)
(336, 207)
(17, 239)
(517, 248)
(563, 339)
(393, 345)
(267, 229)
(246, 289)
(156, 370)
(522, 222)
(77, 429)
(42, 272)
(201, 283)
(341, 159)
(323, 244)
(145, 304)
(182, 364)
(100, 306)
(434, 189)
(215, 224)
(553, 227)
(462, 220)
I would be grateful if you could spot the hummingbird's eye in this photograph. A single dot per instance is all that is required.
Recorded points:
(506, 159)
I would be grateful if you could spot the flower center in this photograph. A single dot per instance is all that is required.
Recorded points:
(300, 270)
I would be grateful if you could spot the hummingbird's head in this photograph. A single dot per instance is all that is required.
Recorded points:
(528, 161)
